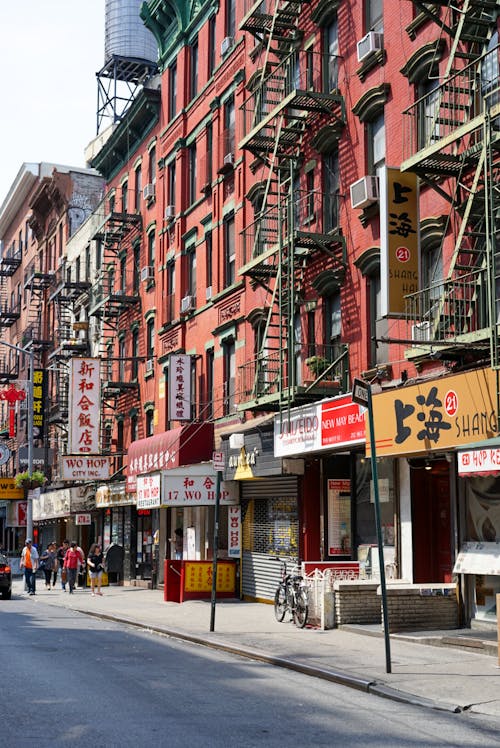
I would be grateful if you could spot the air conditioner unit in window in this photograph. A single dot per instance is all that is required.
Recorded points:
(187, 304)
(226, 45)
(364, 192)
(150, 364)
(208, 293)
(370, 43)
(228, 159)
(148, 191)
(421, 331)
(147, 273)
(170, 212)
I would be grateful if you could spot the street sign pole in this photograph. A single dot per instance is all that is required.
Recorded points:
(362, 394)
(215, 551)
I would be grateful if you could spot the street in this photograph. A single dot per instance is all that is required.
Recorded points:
(68, 678)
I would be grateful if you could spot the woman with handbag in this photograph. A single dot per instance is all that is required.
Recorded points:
(48, 563)
(95, 562)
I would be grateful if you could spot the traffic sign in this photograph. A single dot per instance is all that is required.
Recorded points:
(360, 392)
(218, 461)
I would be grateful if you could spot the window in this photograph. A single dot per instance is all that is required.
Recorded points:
(310, 194)
(374, 310)
(209, 410)
(376, 145)
(229, 252)
(61, 240)
(135, 353)
(211, 46)
(432, 269)
(171, 183)
(121, 360)
(151, 249)
(172, 91)
(124, 197)
(150, 338)
(123, 274)
(194, 394)
(428, 111)
(119, 444)
(98, 254)
(150, 422)
(191, 271)
(331, 182)
(78, 264)
(229, 125)
(229, 358)
(134, 430)
(194, 69)
(87, 264)
(136, 279)
(231, 18)
(374, 15)
(333, 326)
(152, 166)
(331, 42)
(170, 302)
(192, 173)
(138, 188)
(209, 258)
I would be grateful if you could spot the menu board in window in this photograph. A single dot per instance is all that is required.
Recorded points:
(339, 517)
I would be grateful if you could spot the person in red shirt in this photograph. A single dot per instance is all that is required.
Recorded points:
(72, 562)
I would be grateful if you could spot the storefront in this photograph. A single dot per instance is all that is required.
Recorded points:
(269, 489)
(13, 510)
(66, 513)
(180, 450)
(421, 426)
(117, 524)
(479, 557)
(330, 436)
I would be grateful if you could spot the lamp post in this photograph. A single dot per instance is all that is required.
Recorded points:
(18, 349)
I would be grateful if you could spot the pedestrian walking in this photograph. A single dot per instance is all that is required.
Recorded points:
(178, 543)
(61, 552)
(72, 562)
(48, 562)
(95, 562)
(29, 562)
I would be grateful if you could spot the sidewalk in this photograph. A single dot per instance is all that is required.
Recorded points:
(441, 677)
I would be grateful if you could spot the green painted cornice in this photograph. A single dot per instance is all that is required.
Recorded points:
(170, 20)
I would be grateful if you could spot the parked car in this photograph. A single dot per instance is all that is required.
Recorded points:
(5, 577)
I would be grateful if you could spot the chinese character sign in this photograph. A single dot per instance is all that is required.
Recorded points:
(399, 257)
(84, 406)
(436, 415)
(179, 387)
(39, 398)
(234, 531)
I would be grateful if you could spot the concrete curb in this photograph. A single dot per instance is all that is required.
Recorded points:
(343, 678)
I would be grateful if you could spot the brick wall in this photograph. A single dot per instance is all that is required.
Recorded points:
(416, 607)
(357, 602)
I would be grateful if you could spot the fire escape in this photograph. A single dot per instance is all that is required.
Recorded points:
(10, 309)
(35, 333)
(113, 300)
(68, 340)
(452, 137)
(288, 99)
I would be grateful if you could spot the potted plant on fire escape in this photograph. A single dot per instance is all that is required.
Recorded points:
(323, 373)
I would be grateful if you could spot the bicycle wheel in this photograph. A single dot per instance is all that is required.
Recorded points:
(301, 609)
(280, 603)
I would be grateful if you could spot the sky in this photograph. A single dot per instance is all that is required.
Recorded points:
(50, 51)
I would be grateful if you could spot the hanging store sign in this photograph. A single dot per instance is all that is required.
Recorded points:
(16, 514)
(112, 494)
(179, 387)
(84, 406)
(194, 485)
(83, 519)
(234, 531)
(39, 400)
(399, 236)
(438, 414)
(148, 491)
(338, 422)
(485, 461)
(93, 467)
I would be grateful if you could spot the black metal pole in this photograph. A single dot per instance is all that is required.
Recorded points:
(381, 561)
(215, 551)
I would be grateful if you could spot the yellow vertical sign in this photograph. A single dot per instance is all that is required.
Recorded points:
(402, 239)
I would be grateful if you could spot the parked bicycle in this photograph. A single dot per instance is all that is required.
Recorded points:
(291, 596)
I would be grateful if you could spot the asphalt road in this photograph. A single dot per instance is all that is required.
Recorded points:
(68, 679)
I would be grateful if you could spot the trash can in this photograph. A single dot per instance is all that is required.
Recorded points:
(113, 562)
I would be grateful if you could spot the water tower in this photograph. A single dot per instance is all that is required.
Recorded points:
(130, 58)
